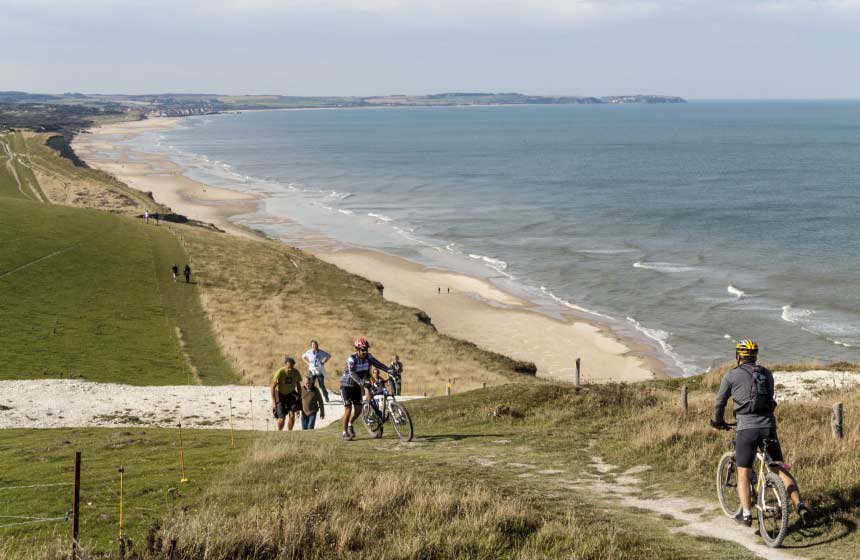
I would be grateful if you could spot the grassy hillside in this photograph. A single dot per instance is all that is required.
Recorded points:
(151, 484)
(266, 300)
(16, 175)
(88, 294)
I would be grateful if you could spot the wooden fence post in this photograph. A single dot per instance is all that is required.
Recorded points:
(76, 499)
(448, 389)
(578, 362)
(836, 421)
(684, 404)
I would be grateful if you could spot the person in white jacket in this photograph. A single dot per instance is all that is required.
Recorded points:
(315, 360)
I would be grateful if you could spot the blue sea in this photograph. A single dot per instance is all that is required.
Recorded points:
(685, 226)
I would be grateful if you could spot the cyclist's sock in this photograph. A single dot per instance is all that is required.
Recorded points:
(801, 506)
(747, 513)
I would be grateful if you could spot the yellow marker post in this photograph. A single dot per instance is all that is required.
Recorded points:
(121, 471)
(184, 478)
(232, 442)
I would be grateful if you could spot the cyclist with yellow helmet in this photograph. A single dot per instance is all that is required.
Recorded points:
(751, 387)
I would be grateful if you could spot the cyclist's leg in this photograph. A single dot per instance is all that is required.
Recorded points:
(347, 407)
(745, 449)
(775, 452)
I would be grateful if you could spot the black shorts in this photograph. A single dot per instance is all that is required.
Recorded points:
(287, 403)
(747, 442)
(352, 395)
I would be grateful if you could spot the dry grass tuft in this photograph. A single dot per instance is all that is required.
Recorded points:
(266, 300)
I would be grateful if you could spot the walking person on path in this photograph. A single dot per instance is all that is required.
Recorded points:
(286, 394)
(311, 404)
(175, 270)
(187, 274)
(316, 359)
(146, 215)
(396, 368)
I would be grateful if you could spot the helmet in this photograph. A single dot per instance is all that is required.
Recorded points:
(361, 343)
(746, 349)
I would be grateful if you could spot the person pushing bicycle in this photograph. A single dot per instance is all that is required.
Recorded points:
(751, 387)
(356, 378)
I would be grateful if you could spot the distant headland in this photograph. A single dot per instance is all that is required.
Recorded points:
(185, 104)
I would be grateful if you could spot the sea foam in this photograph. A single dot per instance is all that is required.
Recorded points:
(737, 292)
(664, 267)
(661, 337)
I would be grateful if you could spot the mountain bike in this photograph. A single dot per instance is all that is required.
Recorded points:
(767, 492)
(382, 407)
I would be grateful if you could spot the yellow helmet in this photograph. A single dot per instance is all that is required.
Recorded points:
(746, 349)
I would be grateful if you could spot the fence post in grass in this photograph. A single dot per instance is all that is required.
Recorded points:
(448, 389)
(684, 403)
(184, 478)
(484, 385)
(232, 442)
(121, 536)
(836, 421)
(578, 364)
(76, 500)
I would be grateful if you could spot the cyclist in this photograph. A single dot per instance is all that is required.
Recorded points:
(396, 368)
(751, 388)
(356, 378)
(316, 359)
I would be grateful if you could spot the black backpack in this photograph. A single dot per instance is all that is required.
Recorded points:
(761, 395)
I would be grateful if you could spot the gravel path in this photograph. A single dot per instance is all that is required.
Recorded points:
(59, 403)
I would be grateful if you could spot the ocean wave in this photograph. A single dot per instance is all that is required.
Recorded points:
(828, 330)
(606, 251)
(566, 303)
(664, 267)
(737, 292)
(346, 212)
(661, 337)
(792, 315)
(498, 265)
(382, 217)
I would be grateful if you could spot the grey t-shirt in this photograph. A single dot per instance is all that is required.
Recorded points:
(738, 384)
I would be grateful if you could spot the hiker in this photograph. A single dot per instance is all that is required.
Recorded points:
(156, 218)
(286, 394)
(175, 270)
(396, 374)
(439, 290)
(311, 404)
(315, 360)
(146, 215)
(187, 274)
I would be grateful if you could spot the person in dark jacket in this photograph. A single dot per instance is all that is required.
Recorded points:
(751, 388)
(187, 273)
(356, 378)
(312, 404)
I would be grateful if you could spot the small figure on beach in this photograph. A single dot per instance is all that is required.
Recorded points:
(439, 290)
(315, 360)
(175, 270)
(156, 218)
(187, 274)
(449, 290)
(146, 215)
(312, 404)
(286, 394)
(396, 374)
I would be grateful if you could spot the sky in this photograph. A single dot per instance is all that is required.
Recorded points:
(698, 49)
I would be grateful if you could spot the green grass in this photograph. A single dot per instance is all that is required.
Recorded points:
(89, 294)
(151, 487)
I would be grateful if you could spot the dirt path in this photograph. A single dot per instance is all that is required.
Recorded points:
(35, 261)
(612, 487)
(60, 403)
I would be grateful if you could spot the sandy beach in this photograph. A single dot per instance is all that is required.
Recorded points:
(474, 310)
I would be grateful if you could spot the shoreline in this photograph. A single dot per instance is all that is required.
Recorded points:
(475, 310)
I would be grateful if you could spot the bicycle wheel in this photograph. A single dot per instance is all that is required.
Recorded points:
(727, 484)
(773, 511)
(371, 421)
(401, 421)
